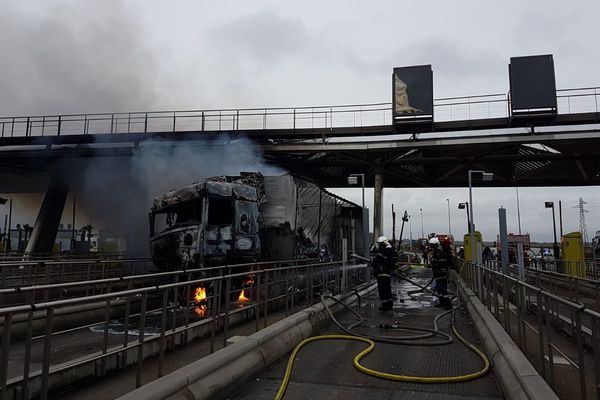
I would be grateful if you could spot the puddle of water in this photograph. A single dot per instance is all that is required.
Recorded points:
(118, 328)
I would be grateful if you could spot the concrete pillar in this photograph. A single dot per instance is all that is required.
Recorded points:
(47, 222)
(377, 205)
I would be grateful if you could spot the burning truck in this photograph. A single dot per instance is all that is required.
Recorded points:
(251, 217)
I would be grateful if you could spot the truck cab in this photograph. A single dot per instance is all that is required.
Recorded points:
(205, 223)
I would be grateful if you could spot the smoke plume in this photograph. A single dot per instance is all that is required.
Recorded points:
(118, 192)
(73, 57)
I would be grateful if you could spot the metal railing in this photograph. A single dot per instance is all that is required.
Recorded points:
(27, 273)
(111, 280)
(589, 268)
(156, 319)
(577, 289)
(561, 338)
(569, 101)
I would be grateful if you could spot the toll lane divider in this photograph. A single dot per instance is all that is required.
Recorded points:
(222, 372)
(517, 377)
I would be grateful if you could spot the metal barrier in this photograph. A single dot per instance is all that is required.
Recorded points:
(26, 273)
(570, 101)
(92, 285)
(575, 287)
(561, 338)
(152, 320)
(589, 268)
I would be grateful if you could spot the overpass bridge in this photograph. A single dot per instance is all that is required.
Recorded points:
(326, 143)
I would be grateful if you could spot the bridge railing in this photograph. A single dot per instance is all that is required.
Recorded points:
(570, 101)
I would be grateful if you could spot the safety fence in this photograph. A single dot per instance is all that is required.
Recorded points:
(127, 326)
(560, 337)
(589, 268)
(50, 285)
(37, 272)
(577, 289)
(569, 101)
(15, 256)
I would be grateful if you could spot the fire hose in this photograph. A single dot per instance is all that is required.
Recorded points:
(402, 340)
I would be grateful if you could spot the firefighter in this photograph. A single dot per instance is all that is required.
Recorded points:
(384, 262)
(440, 263)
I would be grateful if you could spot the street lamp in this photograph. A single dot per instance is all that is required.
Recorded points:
(422, 230)
(410, 227)
(463, 206)
(550, 204)
(449, 225)
(353, 180)
(485, 177)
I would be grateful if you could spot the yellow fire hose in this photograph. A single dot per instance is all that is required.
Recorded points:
(385, 375)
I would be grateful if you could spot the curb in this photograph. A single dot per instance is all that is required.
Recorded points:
(517, 377)
(218, 374)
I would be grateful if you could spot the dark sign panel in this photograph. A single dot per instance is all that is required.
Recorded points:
(412, 92)
(532, 84)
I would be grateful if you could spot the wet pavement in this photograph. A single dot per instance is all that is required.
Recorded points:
(324, 369)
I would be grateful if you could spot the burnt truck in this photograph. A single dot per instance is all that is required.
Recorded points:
(251, 217)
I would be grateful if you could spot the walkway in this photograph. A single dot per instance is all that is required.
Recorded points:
(324, 370)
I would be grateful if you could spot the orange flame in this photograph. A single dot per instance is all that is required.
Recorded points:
(200, 299)
(243, 298)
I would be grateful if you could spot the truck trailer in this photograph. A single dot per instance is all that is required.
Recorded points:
(251, 217)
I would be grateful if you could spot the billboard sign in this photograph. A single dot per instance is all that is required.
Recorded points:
(532, 84)
(412, 92)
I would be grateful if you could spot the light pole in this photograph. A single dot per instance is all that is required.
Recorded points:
(422, 230)
(410, 227)
(353, 180)
(462, 206)
(550, 204)
(486, 177)
(449, 225)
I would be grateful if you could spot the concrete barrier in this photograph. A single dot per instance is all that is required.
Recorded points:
(218, 374)
(517, 377)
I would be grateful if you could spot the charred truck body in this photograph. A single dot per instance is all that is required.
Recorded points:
(251, 217)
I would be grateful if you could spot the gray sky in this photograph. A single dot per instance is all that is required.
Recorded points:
(111, 56)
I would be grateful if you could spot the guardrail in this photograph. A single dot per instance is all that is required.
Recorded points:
(589, 268)
(157, 318)
(570, 101)
(27, 273)
(539, 321)
(92, 285)
(576, 288)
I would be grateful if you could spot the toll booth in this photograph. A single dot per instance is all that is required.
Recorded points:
(468, 251)
(573, 259)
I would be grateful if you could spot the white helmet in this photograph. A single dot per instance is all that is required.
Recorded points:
(434, 241)
(381, 239)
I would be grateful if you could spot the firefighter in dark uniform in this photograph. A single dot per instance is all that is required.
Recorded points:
(440, 263)
(384, 262)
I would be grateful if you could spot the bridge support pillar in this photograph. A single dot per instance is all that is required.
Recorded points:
(377, 205)
(46, 225)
